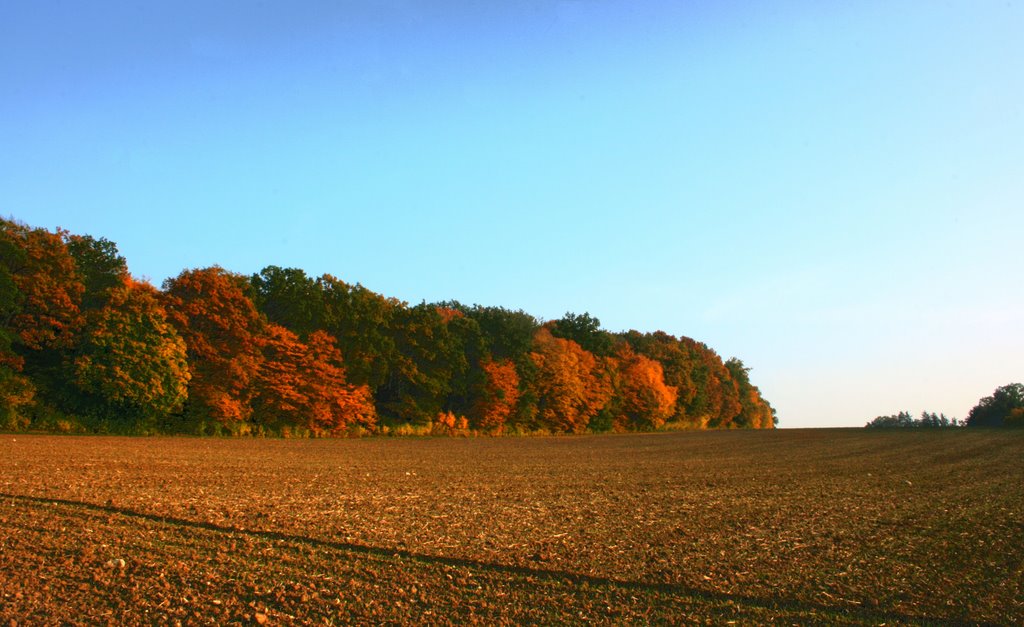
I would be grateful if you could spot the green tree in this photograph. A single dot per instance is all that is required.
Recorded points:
(99, 266)
(364, 324)
(586, 331)
(439, 352)
(286, 296)
(131, 362)
(716, 399)
(507, 334)
(905, 419)
(998, 409)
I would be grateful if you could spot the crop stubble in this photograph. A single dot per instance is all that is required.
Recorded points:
(856, 526)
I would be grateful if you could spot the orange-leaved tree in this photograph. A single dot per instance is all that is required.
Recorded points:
(301, 387)
(571, 384)
(46, 288)
(335, 404)
(212, 311)
(40, 317)
(496, 396)
(279, 399)
(644, 402)
(677, 365)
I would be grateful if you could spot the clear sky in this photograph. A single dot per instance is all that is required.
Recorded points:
(831, 191)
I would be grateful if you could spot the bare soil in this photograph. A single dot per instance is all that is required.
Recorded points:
(814, 526)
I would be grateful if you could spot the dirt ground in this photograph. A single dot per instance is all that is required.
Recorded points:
(809, 526)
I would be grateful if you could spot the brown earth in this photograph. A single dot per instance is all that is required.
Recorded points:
(817, 526)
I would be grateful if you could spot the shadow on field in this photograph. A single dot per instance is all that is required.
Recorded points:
(854, 613)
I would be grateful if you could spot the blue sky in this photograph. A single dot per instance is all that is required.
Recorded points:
(829, 191)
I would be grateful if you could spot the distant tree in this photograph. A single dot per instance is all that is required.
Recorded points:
(905, 419)
(936, 421)
(1000, 409)
(902, 419)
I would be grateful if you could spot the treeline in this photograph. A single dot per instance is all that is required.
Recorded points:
(1004, 408)
(84, 347)
(907, 420)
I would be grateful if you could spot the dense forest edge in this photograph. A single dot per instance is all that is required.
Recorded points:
(87, 348)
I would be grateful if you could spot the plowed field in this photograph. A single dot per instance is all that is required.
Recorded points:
(820, 526)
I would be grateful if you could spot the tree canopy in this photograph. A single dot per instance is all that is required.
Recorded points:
(905, 419)
(86, 347)
(1004, 408)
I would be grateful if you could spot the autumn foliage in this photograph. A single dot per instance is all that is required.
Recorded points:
(222, 330)
(495, 403)
(646, 402)
(85, 347)
(571, 384)
(302, 385)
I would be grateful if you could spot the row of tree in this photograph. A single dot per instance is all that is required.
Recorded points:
(84, 346)
(906, 419)
(1004, 408)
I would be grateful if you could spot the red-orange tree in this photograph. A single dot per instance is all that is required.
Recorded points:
(643, 401)
(45, 288)
(301, 387)
(496, 397)
(677, 366)
(335, 404)
(571, 386)
(40, 317)
(212, 311)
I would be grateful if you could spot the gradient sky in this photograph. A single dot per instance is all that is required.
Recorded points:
(831, 191)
